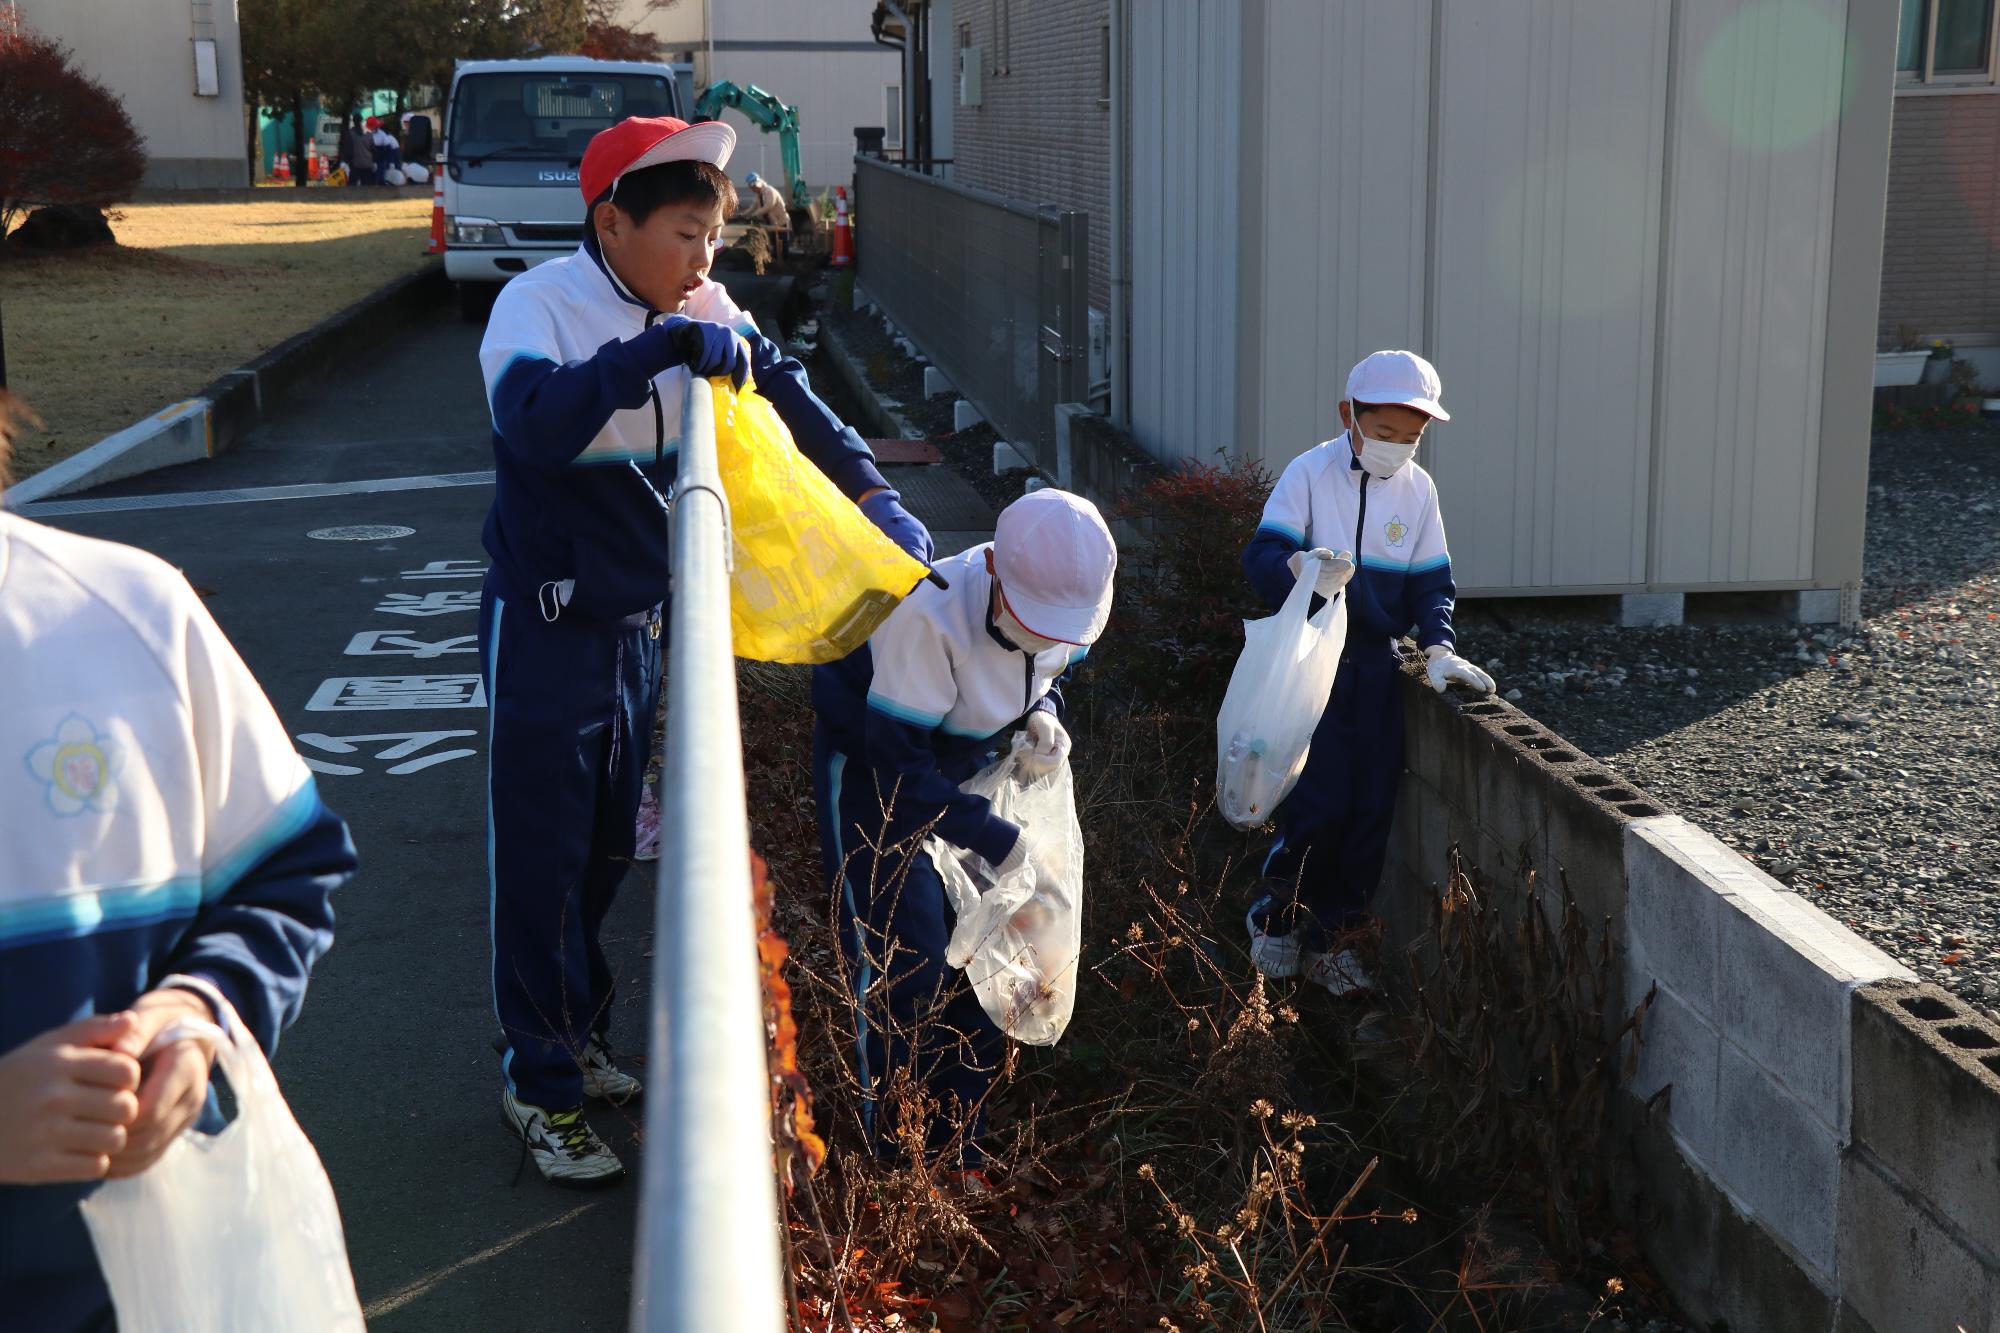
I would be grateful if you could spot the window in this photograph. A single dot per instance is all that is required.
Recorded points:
(892, 116)
(1945, 42)
(206, 82)
(1104, 66)
(1003, 36)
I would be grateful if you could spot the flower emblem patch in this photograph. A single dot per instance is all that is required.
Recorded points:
(79, 769)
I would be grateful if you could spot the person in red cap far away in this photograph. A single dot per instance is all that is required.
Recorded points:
(586, 361)
(898, 725)
(1360, 492)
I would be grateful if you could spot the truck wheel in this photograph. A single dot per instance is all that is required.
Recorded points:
(475, 301)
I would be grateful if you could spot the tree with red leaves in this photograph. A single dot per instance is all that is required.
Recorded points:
(64, 137)
(605, 37)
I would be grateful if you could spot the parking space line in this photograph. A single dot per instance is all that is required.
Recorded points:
(250, 495)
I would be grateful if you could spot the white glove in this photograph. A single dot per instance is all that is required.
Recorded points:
(1048, 744)
(1335, 569)
(1448, 668)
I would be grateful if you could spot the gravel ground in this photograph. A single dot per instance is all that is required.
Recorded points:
(1858, 767)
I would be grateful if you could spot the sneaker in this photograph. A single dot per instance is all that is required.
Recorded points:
(1276, 956)
(646, 833)
(1341, 973)
(565, 1150)
(602, 1078)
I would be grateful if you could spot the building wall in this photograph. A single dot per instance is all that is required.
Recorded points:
(1043, 132)
(816, 56)
(143, 50)
(1941, 253)
(1639, 240)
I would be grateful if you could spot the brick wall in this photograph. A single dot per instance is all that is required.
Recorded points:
(1941, 244)
(1043, 135)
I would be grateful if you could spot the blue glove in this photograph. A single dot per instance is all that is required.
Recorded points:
(885, 510)
(708, 349)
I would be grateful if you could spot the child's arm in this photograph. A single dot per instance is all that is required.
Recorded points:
(545, 411)
(1428, 587)
(273, 852)
(1284, 530)
(912, 692)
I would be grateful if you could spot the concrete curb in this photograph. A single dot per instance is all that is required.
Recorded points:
(882, 420)
(211, 422)
(1810, 1133)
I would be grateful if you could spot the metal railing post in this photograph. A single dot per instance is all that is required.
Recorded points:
(708, 1248)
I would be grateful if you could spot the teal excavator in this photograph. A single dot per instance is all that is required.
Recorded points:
(767, 112)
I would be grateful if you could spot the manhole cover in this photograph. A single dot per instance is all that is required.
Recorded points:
(363, 532)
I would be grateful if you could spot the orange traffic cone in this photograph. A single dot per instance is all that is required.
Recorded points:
(437, 211)
(281, 170)
(843, 231)
(315, 169)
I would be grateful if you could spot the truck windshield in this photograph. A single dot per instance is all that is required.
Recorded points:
(545, 115)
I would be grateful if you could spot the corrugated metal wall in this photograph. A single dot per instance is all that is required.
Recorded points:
(1609, 223)
(1186, 112)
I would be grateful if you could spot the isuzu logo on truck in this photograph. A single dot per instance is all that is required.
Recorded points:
(569, 176)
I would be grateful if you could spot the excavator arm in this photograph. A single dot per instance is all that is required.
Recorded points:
(769, 114)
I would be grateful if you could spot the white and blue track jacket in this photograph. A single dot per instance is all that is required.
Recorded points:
(587, 393)
(1403, 576)
(155, 822)
(921, 703)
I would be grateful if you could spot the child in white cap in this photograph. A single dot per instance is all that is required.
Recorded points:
(1358, 495)
(899, 725)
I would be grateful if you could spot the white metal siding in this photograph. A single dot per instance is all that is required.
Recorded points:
(1549, 147)
(1750, 218)
(1186, 103)
(1345, 111)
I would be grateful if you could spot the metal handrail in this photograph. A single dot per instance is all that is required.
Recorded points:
(708, 1249)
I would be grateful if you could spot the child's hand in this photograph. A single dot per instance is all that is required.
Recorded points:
(175, 1085)
(709, 349)
(1447, 668)
(1335, 569)
(66, 1099)
(885, 510)
(1048, 742)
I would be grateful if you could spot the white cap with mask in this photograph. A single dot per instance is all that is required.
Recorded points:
(1392, 379)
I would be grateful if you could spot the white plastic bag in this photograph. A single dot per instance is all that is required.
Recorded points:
(236, 1232)
(1018, 944)
(395, 176)
(418, 173)
(1276, 696)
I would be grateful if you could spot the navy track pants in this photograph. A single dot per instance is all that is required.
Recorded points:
(895, 922)
(570, 706)
(1333, 830)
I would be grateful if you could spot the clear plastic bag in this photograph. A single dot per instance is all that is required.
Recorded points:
(1019, 937)
(1276, 696)
(235, 1232)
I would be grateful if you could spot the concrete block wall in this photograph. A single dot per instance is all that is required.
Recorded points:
(1811, 1140)
(1940, 268)
(1042, 134)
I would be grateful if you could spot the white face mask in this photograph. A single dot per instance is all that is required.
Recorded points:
(1018, 634)
(1383, 459)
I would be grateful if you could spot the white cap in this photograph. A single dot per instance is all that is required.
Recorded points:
(1055, 559)
(1401, 379)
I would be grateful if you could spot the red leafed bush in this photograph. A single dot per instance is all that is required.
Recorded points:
(1181, 606)
(64, 137)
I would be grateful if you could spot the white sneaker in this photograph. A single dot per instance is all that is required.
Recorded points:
(602, 1078)
(565, 1150)
(1341, 973)
(1276, 956)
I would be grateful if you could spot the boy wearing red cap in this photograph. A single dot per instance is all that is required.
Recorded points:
(586, 361)
(898, 725)
(1359, 492)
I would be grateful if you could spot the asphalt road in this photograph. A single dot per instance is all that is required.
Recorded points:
(390, 1068)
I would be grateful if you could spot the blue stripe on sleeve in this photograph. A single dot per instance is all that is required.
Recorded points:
(905, 714)
(1289, 533)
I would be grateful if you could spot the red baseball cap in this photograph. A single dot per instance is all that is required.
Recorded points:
(372, 123)
(647, 141)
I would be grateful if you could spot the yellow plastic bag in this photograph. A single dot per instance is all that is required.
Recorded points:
(814, 578)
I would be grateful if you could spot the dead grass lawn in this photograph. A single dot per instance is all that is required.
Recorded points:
(98, 339)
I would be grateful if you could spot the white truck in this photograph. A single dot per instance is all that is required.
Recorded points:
(514, 135)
